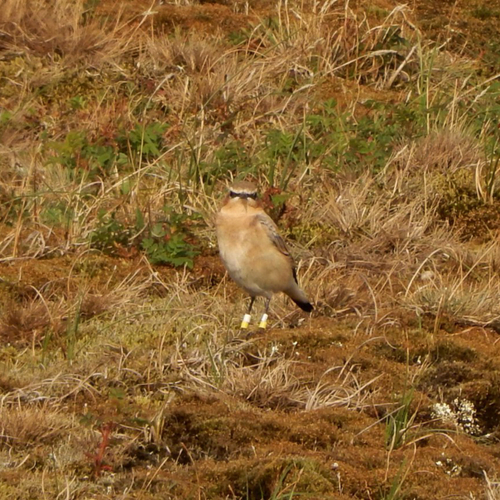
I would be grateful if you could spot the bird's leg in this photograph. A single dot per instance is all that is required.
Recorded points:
(263, 320)
(246, 318)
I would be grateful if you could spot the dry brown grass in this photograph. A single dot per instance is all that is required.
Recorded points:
(270, 380)
(23, 426)
(54, 313)
(389, 244)
(208, 87)
(62, 30)
(492, 488)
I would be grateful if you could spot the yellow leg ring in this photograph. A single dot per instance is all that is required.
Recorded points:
(245, 322)
(263, 321)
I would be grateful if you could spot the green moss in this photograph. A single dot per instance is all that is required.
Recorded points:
(277, 478)
(457, 193)
(320, 233)
(484, 12)
(449, 351)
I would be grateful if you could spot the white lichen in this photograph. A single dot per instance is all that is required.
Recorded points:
(460, 413)
(449, 466)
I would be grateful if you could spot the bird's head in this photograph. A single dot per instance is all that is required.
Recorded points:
(243, 192)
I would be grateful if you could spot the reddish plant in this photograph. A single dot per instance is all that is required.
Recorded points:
(98, 458)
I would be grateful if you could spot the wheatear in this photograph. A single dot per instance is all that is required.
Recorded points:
(253, 252)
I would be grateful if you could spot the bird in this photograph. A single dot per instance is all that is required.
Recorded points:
(253, 252)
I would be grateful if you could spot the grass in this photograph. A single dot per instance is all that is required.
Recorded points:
(492, 491)
(122, 372)
(400, 421)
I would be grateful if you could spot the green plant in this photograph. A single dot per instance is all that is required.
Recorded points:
(97, 157)
(73, 323)
(170, 241)
(57, 214)
(399, 422)
(78, 102)
(280, 490)
(5, 117)
(341, 142)
(144, 141)
(231, 159)
(396, 484)
(110, 234)
(165, 247)
(81, 156)
(371, 142)
(285, 148)
(68, 151)
(484, 12)
(165, 242)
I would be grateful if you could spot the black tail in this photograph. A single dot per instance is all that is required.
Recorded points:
(305, 306)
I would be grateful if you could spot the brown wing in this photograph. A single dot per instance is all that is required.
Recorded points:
(272, 231)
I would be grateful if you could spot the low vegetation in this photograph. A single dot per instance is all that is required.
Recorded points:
(373, 131)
